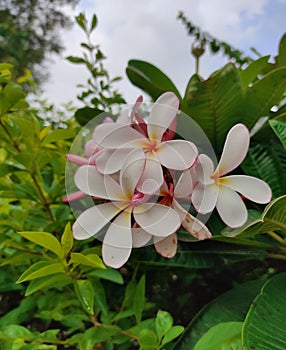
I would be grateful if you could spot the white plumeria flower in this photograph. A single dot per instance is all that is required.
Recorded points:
(167, 247)
(124, 203)
(172, 154)
(216, 190)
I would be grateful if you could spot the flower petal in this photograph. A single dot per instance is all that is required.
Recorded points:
(74, 196)
(167, 246)
(184, 186)
(231, 208)
(152, 177)
(162, 114)
(92, 220)
(177, 154)
(91, 182)
(114, 135)
(191, 224)
(109, 161)
(250, 187)
(90, 148)
(131, 171)
(140, 237)
(234, 150)
(204, 197)
(204, 169)
(77, 159)
(117, 243)
(156, 219)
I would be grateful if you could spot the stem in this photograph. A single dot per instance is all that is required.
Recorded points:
(277, 256)
(277, 238)
(197, 65)
(43, 198)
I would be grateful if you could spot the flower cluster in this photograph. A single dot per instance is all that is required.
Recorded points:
(145, 177)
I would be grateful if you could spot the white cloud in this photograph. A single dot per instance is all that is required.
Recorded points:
(150, 31)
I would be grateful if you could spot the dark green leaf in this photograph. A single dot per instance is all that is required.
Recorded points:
(139, 299)
(86, 114)
(85, 294)
(279, 128)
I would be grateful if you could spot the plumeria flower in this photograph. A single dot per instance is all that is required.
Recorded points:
(216, 190)
(172, 154)
(125, 204)
(167, 247)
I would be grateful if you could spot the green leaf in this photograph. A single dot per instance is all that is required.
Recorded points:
(67, 239)
(172, 334)
(57, 281)
(46, 240)
(225, 336)
(10, 96)
(215, 103)
(86, 114)
(267, 161)
(147, 340)
(81, 20)
(58, 135)
(14, 331)
(232, 305)
(251, 72)
(163, 322)
(92, 260)
(280, 130)
(109, 275)
(75, 59)
(93, 23)
(281, 58)
(41, 269)
(149, 78)
(139, 299)
(100, 297)
(85, 293)
(264, 326)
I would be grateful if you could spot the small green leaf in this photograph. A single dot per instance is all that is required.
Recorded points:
(67, 239)
(57, 281)
(139, 299)
(109, 275)
(40, 269)
(226, 335)
(45, 240)
(172, 334)
(93, 23)
(164, 321)
(92, 260)
(148, 340)
(75, 59)
(85, 293)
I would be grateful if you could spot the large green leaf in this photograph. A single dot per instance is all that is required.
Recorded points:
(203, 255)
(230, 306)
(279, 128)
(215, 103)
(226, 336)
(264, 326)
(149, 78)
(251, 72)
(268, 162)
(281, 58)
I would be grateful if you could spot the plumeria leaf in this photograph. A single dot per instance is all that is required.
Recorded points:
(266, 315)
(149, 78)
(279, 128)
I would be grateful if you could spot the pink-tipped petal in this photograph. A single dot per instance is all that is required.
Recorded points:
(92, 220)
(204, 198)
(91, 182)
(140, 237)
(77, 159)
(156, 219)
(250, 187)
(184, 186)
(114, 135)
(132, 170)
(152, 177)
(171, 132)
(135, 107)
(90, 148)
(191, 224)
(234, 150)
(74, 196)
(117, 243)
(167, 247)
(109, 161)
(204, 169)
(231, 208)
(177, 154)
(162, 115)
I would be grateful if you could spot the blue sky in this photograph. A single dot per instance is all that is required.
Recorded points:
(149, 30)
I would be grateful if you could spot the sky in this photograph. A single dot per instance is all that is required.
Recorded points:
(149, 30)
